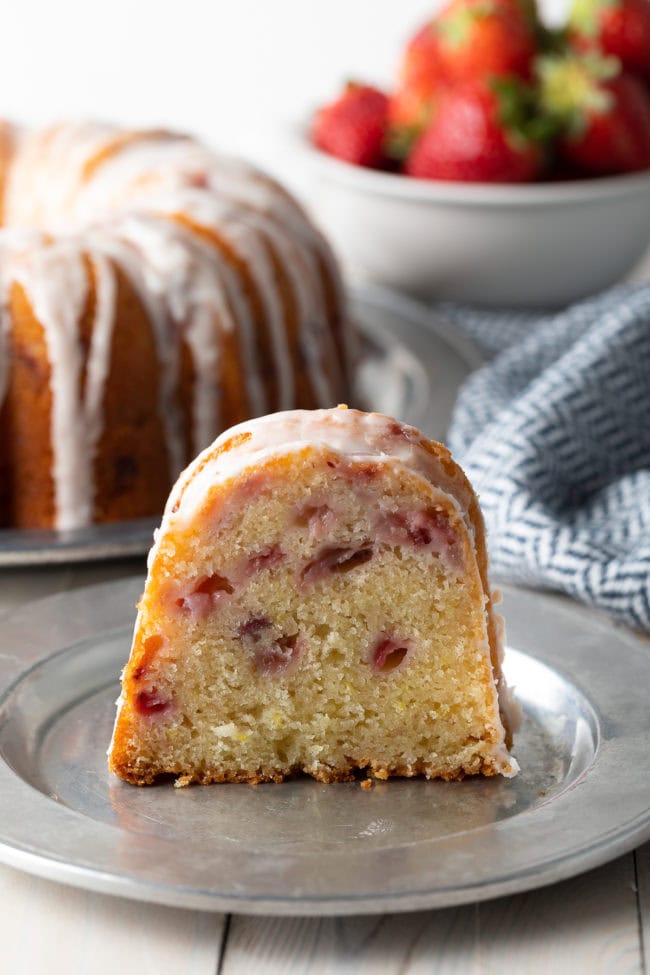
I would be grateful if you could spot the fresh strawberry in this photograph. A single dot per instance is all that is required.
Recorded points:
(354, 126)
(604, 113)
(421, 61)
(420, 81)
(479, 39)
(410, 110)
(617, 27)
(480, 133)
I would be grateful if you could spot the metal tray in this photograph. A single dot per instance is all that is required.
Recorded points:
(583, 795)
(411, 367)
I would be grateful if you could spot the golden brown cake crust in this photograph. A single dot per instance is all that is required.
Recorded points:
(26, 441)
(142, 775)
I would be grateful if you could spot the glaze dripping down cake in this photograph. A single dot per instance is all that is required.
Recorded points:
(317, 602)
(153, 294)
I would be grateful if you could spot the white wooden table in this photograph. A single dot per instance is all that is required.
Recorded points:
(596, 923)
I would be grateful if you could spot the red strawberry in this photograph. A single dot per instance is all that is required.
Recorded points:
(478, 39)
(420, 81)
(496, 37)
(421, 61)
(604, 114)
(618, 27)
(354, 126)
(409, 112)
(479, 134)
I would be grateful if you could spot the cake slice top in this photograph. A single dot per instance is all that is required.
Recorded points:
(352, 433)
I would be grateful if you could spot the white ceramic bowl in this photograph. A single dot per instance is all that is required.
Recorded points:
(535, 245)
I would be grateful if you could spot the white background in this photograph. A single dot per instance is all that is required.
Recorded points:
(235, 72)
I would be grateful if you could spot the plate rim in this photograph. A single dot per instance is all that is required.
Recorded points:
(23, 548)
(610, 843)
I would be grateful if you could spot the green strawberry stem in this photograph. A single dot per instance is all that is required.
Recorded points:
(571, 89)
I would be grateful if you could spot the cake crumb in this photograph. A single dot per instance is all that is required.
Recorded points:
(366, 784)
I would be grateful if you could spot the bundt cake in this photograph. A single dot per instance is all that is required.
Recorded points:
(153, 294)
(316, 602)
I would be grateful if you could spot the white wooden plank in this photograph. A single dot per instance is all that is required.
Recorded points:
(585, 925)
(338, 946)
(48, 927)
(643, 879)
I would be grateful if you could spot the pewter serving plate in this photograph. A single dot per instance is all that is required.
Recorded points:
(582, 797)
(411, 366)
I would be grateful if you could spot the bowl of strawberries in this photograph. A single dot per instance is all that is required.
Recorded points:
(510, 164)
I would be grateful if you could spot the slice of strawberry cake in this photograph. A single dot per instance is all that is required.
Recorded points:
(317, 601)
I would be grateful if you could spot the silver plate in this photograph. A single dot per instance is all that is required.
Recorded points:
(583, 795)
(411, 367)
(96, 543)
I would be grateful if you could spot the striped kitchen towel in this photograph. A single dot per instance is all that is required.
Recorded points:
(554, 433)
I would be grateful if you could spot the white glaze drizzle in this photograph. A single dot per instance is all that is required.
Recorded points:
(354, 434)
(245, 240)
(318, 345)
(5, 320)
(309, 309)
(4, 350)
(181, 272)
(244, 231)
(97, 369)
(11, 239)
(129, 259)
(243, 315)
(299, 265)
(45, 158)
(192, 283)
(244, 183)
(55, 280)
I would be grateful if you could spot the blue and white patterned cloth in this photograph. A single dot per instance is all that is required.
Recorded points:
(554, 434)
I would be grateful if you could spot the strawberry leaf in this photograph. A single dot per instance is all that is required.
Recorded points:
(585, 15)
(571, 89)
(400, 141)
(520, 112)
(455, 28)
